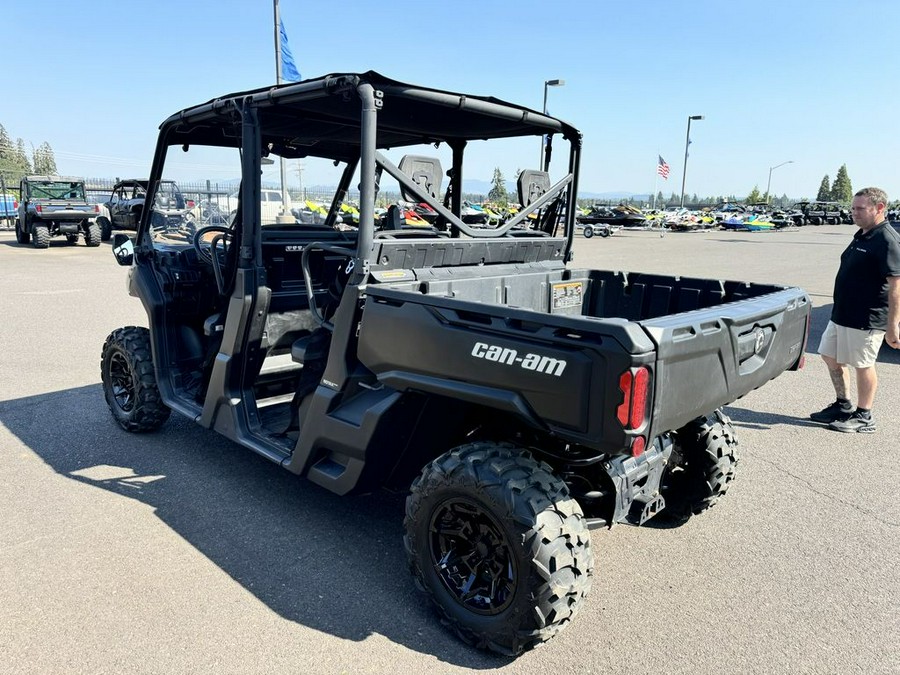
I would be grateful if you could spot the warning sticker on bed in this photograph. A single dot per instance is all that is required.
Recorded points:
(566, 295)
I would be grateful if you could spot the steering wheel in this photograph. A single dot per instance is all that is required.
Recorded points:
(204, 248)
(209, 255)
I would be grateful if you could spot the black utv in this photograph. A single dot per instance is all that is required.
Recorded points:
(517, 398)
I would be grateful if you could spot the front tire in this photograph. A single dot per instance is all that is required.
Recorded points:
(702, 466)
(498, 544)
(129, 381)
(588, 232)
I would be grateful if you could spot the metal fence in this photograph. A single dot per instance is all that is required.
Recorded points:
(214, 191)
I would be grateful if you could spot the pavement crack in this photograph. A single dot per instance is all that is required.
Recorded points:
(813, 488)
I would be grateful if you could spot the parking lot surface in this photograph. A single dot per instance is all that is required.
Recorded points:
(179, 551)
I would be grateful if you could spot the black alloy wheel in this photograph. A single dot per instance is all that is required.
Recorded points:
(129, 380)
(472, 557)
(498, 543)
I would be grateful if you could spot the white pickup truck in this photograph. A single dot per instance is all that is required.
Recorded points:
(271, 205)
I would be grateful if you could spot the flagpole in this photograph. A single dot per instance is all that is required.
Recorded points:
(655, 180)
(285, 200)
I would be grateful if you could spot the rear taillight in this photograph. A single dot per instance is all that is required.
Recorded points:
(638, 445)
(623, 412)
(632, 412)
(639, 398)
(635, 387)
(15, 204)
(38, 208)
(96, 209)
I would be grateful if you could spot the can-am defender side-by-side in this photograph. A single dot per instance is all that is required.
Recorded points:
(519, 399)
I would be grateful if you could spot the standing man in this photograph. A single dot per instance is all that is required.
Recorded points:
(866, 311)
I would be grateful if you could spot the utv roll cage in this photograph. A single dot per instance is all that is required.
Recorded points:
(352, 117)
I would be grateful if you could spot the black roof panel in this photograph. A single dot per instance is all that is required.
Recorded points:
(321, 117)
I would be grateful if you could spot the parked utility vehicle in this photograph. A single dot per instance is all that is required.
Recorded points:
(53, 206)
(518, 398)
(122, 210)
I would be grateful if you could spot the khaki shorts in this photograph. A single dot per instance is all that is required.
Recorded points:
(851, 346)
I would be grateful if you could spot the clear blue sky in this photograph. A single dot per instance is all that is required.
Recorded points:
(811, 82)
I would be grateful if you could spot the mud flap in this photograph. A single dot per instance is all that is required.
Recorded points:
(637, 483)
(642, 511)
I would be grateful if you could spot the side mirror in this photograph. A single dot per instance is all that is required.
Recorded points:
(123, 249)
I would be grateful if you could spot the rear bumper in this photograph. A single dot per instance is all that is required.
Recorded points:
(64, 214)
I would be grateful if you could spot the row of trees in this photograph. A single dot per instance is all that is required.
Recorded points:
(841, 190)
(15, 162)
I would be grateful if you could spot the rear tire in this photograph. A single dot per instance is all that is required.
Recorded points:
(702, 466)
(22, 235)
(129, 381)
(93, 234)
(105, 229)
(498, 544)
(40, 236)
(588, 232)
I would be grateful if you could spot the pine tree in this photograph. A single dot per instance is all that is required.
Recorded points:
(22, 157)
(841, 189)
(6, 146)
(824, 194)
(755, 196)
(8, 166)
(44, 161)
(498, 193)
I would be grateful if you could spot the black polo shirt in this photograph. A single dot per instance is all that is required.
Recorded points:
(861, 288)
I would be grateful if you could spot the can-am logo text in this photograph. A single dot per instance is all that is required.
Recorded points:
(510, 357)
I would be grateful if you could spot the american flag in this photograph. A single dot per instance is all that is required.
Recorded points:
(662, 168)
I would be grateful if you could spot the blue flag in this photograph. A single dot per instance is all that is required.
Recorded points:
(289, 70)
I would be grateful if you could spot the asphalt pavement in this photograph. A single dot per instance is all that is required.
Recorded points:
(181, 552)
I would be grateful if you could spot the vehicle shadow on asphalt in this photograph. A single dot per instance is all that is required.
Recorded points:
(334, 564)
(751, 419)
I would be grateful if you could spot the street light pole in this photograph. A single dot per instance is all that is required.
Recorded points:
(547, 83)
(687, 142)
(769, 184)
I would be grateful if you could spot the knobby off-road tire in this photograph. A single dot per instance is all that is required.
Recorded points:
(22, 235)
(93, 234)
(499, 545)
(105, 228)
(40, 237)
(129, 382)
(708, 450)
